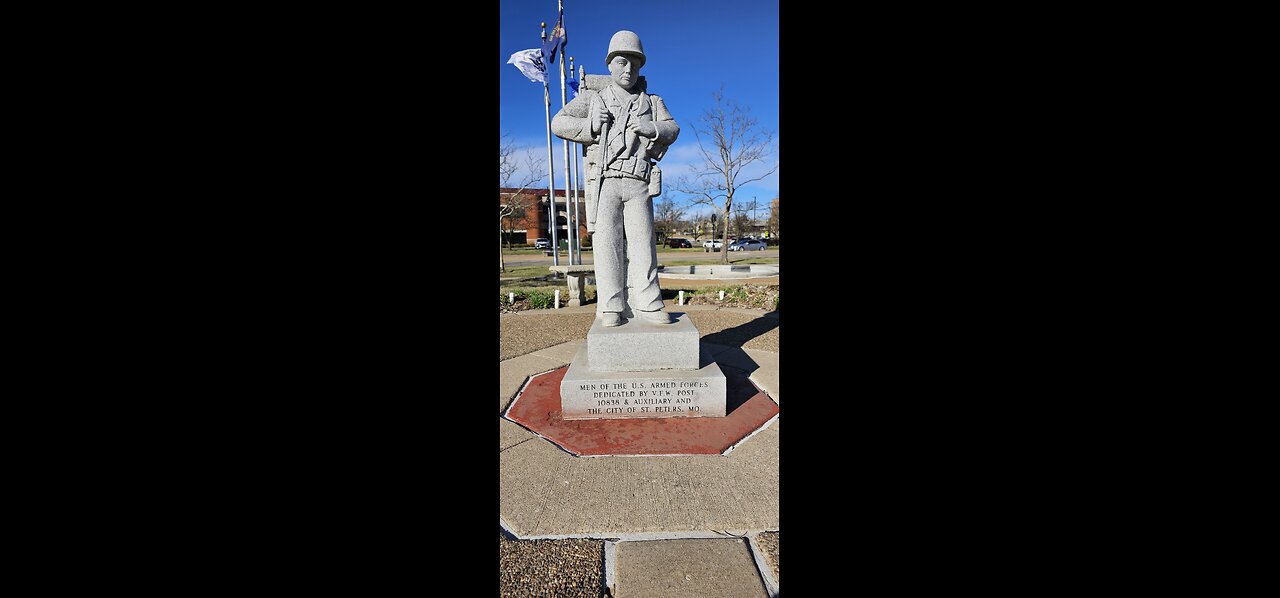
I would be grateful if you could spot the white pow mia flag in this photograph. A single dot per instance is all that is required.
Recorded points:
(530, 63)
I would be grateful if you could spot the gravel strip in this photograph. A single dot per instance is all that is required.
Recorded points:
(526, 333)
(768, 543)
(551, 568)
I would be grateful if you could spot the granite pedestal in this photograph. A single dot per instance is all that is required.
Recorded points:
(642, 370)
(639, 345)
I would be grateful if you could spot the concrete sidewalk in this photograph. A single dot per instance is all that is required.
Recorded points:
(701, 525)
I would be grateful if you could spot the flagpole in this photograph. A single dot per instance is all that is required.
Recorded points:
(577, 155)
(551, 168)
(574, 232)
(565, 142)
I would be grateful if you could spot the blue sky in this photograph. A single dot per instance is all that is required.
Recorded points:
(691, 47)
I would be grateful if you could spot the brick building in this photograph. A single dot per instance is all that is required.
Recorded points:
(529, 220)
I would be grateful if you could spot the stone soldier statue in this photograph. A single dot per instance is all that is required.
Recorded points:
(622, 181)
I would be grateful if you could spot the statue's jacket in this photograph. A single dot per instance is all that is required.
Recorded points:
(628, 154)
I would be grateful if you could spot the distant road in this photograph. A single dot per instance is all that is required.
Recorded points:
(663, 256)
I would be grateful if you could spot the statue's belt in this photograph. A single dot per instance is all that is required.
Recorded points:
(631, 167)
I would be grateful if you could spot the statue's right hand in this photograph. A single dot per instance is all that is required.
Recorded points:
(602, 114)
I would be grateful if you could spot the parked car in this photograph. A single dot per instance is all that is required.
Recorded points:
(711, 245)
(747, 245)
(677, 243)
(542, 244)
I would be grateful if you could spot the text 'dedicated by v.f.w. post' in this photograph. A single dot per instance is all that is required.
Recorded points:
(691, 396)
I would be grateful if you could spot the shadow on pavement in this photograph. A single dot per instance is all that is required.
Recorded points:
(738, 389)
(741, 334)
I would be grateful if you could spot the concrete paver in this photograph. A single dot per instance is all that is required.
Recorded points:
(562, 353)
(674, 568)
(761, 366)
(545, 491)
(712, 350)
(737, 357)
(511, 434)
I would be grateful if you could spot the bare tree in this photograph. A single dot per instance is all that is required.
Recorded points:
(741, 224)
(685, 226)
(667, 215)
(516, 211)
(730, 140)
(518, 202)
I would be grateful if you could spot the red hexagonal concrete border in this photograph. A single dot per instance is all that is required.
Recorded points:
(538, 408)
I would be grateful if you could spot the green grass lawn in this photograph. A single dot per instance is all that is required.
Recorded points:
(525, 272)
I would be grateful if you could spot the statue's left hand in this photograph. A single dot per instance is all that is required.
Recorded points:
(647, 129)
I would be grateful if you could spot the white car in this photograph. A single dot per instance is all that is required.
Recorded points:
(747, 245)
(711, 245)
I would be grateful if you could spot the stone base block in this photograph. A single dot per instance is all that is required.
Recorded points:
(577, 290)
(641, 346)
(586, 393)
(576, 276)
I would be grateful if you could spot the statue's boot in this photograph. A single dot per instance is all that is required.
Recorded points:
(657, 317)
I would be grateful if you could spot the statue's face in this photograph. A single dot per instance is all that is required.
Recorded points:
(624, 70)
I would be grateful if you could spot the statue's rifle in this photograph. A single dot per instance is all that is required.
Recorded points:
(602, 154)
(597, 83)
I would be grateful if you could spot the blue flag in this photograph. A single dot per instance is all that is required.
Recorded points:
(573, 87)
(555, 41)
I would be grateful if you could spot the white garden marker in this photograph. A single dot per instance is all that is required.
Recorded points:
(557, 298)
(722, 295)
(681, 298)
(511, 297)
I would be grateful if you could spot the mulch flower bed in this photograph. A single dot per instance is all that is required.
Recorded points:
(751, 296)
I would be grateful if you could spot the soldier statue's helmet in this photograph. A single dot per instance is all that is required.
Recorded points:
(625, 42)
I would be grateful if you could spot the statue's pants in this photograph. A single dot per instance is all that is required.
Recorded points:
(626, 258)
